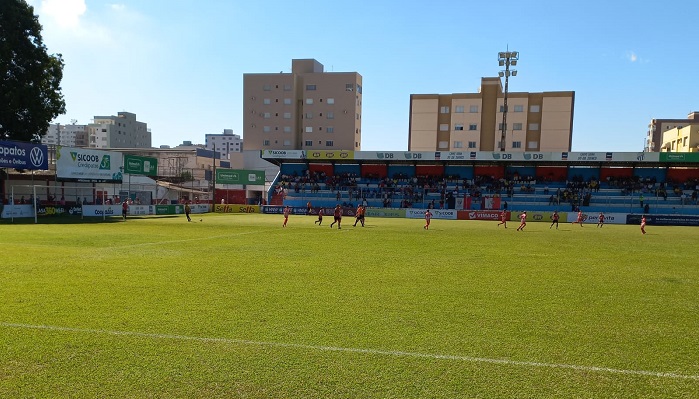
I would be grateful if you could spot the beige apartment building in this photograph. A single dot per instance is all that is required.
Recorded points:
(473, 121)
(307, 109)
(681, 139)
(121, 131)
(655, 138)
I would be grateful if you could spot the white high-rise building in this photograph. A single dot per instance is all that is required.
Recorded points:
(121, 131)
(73, 135)
(225, 143)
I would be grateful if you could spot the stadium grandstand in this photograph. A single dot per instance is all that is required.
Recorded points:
(623, 182)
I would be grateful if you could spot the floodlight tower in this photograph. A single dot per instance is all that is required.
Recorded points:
(506, 58)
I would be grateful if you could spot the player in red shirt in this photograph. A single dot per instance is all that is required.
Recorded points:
(580, 219)
(523, 221)
(359, 217)
(600, 221)
(555, 218)
(643, 224)
(287, 211)
(503, 218)
(428, 217)
(338, 217)
(124, 209)
(320, 217)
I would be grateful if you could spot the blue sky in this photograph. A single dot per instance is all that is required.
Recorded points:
(179, 64)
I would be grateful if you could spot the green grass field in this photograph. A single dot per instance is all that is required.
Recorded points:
(238, 307)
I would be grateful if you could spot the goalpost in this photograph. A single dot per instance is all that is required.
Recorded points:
(18, 205)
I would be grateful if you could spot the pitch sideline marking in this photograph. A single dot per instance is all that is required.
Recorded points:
(358, 350)
(177, 241)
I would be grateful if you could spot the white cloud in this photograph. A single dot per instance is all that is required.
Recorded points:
(64, 13)
(632, 56)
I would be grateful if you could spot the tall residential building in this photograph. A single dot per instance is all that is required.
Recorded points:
(72, 135)
(121, 131)
(306, 109)
(658, 127)
(225, 143)
(473, 121)
(681, 139)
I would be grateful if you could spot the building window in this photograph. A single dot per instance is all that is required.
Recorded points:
(533, 144)
(471, 144)
(309, 115)
(287, 115)
(267, 87)
(519, 108)
(359, 88)
(331, 101)
(267, 115)
(516, 144)
(309, 129)
(517, 126)
(500, 127)
(534, 108)
(533, 126)
(502, 108)
(287, 129)
(443, 144)
(349, 87)
(287, 143)
(266, 101)
(443, 110)
(330, 115)
(330, 129)
(443, 127)
(329, 143)
(459, 126)
(459, 109)
(310, 87)
(473, 109)
(458, 144)
(266, 129)
(287, 101)
(265, 142)
(287, 87)
(473, 126)
(309, 101)
(308, 143)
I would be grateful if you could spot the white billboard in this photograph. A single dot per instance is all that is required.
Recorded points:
(92, 166)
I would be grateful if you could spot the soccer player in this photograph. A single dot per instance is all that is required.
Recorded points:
(359, 217)
(320, 217)
(643, 224)
(287, 210)
(308, 208)
(503, 218)
(523, 221)
(428, 217)
(580, 219)
(554, 219)
(600, 220)
(124, 209)
(187, 211)
(337, 214)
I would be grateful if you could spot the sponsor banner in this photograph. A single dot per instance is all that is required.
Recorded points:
(17, 211)
(394, 155)
(20, 155)
(58, 210)
(140, 210)
(284, 154)
(479, 215)
(235, 208)
(295, 210)
(593, 217)
(100, 210)
(329, 154)
(436, 213)
(135, 165)
(665, 220)
(385, 213)
(199, 208)
(679, 157)
(240, 176)
(92, 166)
(169, 209)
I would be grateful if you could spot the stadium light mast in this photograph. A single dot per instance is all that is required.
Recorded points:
(505, 59)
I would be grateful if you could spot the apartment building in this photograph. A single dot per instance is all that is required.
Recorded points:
(225, 143)
(308, 109)
(72, 135)
(681, 139)
(473, 121)
(121, 131)
(655, 139)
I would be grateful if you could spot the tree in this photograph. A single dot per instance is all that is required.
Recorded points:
(30, 78)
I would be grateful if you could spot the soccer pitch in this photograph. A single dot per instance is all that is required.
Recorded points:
(236, 306)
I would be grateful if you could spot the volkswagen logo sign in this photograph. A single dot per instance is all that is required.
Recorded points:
(36, 156)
